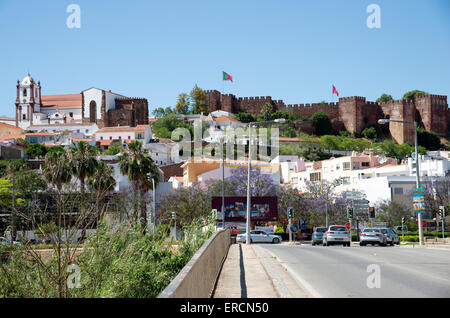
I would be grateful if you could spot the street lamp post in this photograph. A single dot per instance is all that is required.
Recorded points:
(223, 181)
(250, 125)
(419, 216)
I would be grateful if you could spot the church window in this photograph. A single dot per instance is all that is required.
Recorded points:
(24, 116)
(25, 92)
(71, 114)
(92, 111)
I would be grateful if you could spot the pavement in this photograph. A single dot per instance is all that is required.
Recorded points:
(252, 272)
(243, 276)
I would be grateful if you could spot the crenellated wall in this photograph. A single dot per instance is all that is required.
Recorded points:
(352, 113)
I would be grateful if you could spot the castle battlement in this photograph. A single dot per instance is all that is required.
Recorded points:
(350, 98)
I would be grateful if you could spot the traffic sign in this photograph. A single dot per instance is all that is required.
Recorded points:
(348, 225)
(360, 202)
(294, 228)
(353, 195)
(302, 225)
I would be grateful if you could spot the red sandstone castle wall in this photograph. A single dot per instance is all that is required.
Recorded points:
(352, 113)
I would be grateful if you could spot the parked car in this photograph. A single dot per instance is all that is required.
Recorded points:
(398, 228)
(391, 237)
(259, 237)
(4, 241)
(372, 236)
(317, 236)
(336, 234)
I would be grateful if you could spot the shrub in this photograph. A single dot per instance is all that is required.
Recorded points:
(370, 133)
(411, 238)
(322, 123)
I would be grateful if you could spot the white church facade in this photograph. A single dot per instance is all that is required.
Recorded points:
(85, 112)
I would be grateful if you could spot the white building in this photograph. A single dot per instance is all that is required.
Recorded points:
(288, 166)
(164, 152)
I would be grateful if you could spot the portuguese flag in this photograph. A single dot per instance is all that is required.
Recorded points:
(227, 77)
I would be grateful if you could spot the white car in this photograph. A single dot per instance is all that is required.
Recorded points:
(259, 237)
(4, 241)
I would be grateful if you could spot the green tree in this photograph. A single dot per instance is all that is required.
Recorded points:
(114, 149)
(245, 117)
(384, 98)
(198, 101)
(267, 111)
(289, 132)
(83, 161)
(428, 139)
(370, 133)
(182, 105)
(102, 182)
(57, 170)
(161, 112)
(280, 114)
(322, 123)
(36, 151)
(164, 126)
(411, 95)
(141, 169)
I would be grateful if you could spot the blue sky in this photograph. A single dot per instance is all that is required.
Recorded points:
(291, 50)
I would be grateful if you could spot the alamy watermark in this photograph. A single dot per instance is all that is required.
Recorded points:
(374, 19)
(74, 278)
(235, 142)
(374, 279)
(74, 19)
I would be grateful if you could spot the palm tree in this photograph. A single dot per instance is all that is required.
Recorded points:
(57, 170)
(102, 181)
(141, 169)
(83, 162)
(267, 110)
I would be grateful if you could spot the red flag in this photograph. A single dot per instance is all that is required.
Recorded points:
(335, 91)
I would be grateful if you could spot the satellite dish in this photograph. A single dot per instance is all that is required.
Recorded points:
(382, 159)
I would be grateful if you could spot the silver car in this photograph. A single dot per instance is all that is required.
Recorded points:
(317, 236)
(391, 237)
(259, 237)
(372, 236)
(336, 234)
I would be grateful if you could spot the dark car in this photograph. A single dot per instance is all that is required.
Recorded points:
(317, 236)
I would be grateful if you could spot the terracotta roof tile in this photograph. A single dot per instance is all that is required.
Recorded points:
(226, 119)
(62, 101)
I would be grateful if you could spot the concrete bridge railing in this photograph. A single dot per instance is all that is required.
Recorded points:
(198, 277)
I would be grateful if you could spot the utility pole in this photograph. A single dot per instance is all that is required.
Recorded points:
(223, 182)
(154, 206)
(13, 221)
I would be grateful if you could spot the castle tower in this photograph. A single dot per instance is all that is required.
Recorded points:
(28, 101)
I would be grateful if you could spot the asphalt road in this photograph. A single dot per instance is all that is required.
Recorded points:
(337, 271)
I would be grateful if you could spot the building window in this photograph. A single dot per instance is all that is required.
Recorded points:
(25, 92)
(101, 138)
(365, 164)
(120, 137)
(346, 180)
(129, 137)
(398, 191)
(24, 117)
(87, 130)
(71, 114)
(295, 180)
(346, 165)
(139, 136)
(110, 137)
(314, 176)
